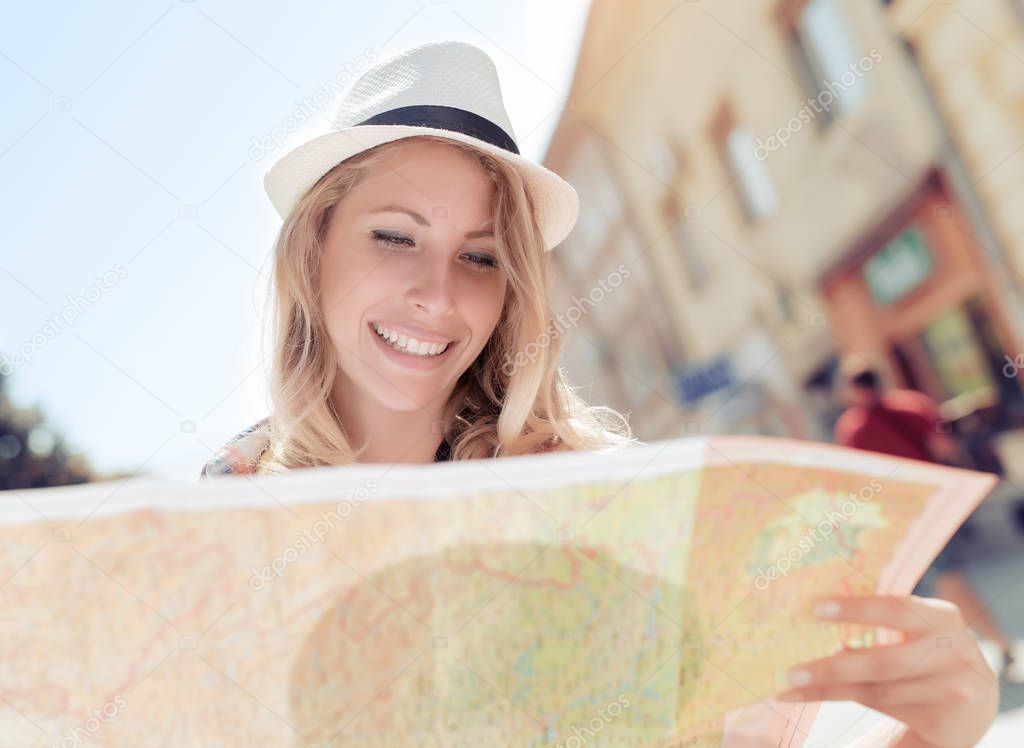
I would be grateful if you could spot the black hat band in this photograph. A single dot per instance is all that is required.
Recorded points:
(446, 118)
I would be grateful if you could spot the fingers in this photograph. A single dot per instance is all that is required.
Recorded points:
(949, 708)
(883, 695)
(909, 613)
(936, 681)
(886, 663)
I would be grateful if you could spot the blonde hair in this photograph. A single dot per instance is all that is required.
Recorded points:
(495, 409)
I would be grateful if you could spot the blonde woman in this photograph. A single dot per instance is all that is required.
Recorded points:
(402, 298)
(411, 282)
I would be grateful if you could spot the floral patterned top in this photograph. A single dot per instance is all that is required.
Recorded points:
(247, 451)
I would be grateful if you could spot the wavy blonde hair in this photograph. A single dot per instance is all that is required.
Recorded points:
(496, 409)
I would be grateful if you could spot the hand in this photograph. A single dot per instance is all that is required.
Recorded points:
(935, 680)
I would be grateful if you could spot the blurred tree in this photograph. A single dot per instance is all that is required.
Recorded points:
(32, 454)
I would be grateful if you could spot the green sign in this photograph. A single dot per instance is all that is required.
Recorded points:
(898, 268)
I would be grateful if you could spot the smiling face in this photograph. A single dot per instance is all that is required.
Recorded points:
(411, 283)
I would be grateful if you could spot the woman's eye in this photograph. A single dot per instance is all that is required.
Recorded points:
(481, 262)
(391, 240)
(484, 262)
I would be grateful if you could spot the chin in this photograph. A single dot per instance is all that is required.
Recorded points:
(405, 399)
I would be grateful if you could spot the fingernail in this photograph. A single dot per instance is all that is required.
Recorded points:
(827, 609)
(798, 678)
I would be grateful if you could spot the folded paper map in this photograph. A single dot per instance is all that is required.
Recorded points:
(652, 596)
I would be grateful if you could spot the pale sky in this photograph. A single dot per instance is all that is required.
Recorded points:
(133, 203)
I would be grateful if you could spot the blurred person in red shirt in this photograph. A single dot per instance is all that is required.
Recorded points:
(907, 423)
(904, 423)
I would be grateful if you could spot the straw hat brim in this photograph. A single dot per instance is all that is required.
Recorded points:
(555, 200)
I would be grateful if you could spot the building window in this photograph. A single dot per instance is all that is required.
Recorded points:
(666, 159)
(752, 179)
(642, 368)
(831, 63)
(785, 300)
(602, 208)
(749, 175)
(687, 243)
(645, 287)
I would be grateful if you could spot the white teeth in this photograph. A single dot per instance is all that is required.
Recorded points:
(410, 345)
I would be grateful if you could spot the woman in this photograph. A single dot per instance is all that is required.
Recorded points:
(410, 278)
(413, 325)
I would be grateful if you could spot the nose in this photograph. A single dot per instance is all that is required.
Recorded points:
(433, 287)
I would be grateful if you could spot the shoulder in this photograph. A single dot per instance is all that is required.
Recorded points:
(241, 453)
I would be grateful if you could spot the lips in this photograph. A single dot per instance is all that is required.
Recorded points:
(415, 362)
(400, 340)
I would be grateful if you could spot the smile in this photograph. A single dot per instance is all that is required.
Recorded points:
(409, 345)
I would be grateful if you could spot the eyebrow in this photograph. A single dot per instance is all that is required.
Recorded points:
(424, 222)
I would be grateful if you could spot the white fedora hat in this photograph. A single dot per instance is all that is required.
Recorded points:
(447, 89)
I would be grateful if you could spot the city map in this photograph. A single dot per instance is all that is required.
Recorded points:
(653, 596)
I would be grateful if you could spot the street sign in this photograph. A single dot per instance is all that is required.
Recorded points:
(698, 382)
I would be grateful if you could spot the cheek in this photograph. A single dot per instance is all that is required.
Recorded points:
(341, 270)
(482, 308)
(353, 280)
(342, 295)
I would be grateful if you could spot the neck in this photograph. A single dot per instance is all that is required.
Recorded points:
(380, 434)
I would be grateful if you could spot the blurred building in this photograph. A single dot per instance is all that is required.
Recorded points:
(790, 182)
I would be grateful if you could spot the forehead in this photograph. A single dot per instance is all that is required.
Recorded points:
(428, 175)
